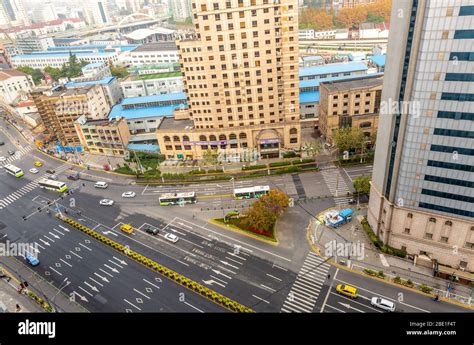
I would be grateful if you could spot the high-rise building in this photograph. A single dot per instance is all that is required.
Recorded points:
(45, 12)
(60, 107)
(241, 79)
(422, 193)
(12, 12)
(180, 9)
(97, 12)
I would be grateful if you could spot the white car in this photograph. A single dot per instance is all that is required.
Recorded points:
(52, 177)
(34, 171)
(171, 237)
(106, 202)
(128, 195)
(2, 159)
(382, 304)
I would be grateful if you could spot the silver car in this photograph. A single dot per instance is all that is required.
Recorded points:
(383, 304)
(106, 202)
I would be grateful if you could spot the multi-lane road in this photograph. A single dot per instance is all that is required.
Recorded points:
(287, 277)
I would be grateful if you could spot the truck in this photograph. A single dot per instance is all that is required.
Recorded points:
(335, 218)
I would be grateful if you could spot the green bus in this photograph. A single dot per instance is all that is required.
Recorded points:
(13, 170)
(56, 186)
(177, 198)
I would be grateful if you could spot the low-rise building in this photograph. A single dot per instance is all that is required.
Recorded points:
(154, 54)
(152, 84)
(378, 61)
(27, 43)
(311, 61)
(94, 71)
(110, 86)
(150, 35)
(353, 102)
(14, 84)
(45, 59)
(306, 34)
(333, 70)
(107, 137)
(60, 107)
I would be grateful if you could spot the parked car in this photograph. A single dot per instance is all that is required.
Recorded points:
(383, 304)
(151, 230)
(171, 237)
(50, 171)
(32, 260)
(347, 290)
(128, 195)
(34, 171)
(106, 202)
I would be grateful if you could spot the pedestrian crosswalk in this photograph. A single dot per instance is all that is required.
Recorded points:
(18, 154)
(337, 186)
(307, 286)
(11, 198)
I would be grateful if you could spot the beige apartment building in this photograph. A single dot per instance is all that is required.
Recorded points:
(103, 136)
(350, 103)
(59, 108)
(240, 75)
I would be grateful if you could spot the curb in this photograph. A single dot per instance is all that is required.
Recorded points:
(156, 267)
(335, 264)
(243, 232)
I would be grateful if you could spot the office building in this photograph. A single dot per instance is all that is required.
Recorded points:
(152, 84)
(14, 85)
(60, 107)
(351, 103)
(241, 79)
(180, 9)
(422, 193)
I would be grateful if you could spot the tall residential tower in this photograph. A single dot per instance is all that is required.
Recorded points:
(422, 194)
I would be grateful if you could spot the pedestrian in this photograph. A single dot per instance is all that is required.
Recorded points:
(18, 308)
(329, 276)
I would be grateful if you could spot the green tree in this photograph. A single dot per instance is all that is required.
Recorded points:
(210, 157)
(36, 74)
(362, 184)
(313, 148)
(73, 68)
(349, 139)
(55, 73)
(119, 72)
(264, 212)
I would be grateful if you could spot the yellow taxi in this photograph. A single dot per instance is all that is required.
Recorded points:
(347, 290)
(127, 228)
(321, 218)
(38, 164)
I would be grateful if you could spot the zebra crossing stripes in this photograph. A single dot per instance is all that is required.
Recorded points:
(18, 154)
(307, 286)
(12, 197)
(337, 186)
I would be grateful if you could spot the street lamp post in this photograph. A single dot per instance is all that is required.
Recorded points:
(61, 287)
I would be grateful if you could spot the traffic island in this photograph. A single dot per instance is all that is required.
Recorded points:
(237, 226)
(156, 267)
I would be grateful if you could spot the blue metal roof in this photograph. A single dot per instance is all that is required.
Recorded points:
(379, 60)
(100, 47)
(138, 113)
(316, 82)
(92, 65)
(309, 97)
(176, 96)
(144, 147)
(333, 68)
(46, 54)
(103, 81)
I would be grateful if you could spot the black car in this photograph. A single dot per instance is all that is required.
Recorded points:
(73, 177)
(151, 230)
(2, 143)
(50, 171)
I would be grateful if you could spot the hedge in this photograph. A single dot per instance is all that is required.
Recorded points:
(290, 154)
(279, 164)
(254, 167)
(379, 244)
(303, 161)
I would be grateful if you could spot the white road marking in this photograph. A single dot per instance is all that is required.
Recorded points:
(274, 277)
(188, 304)
(261, 299)
(80, 257)
(85, 247)
(141, 293)
(268, 288)
(151, 283)
(95, 281)
(67, 263)
(133, 305)
(55, 270)
(87, 292)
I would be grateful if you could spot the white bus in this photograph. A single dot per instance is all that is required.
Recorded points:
(250, 192)
(13, 170)
(177, 198)
(56, 186)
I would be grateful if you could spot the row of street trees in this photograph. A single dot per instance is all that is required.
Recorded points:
(320, 19)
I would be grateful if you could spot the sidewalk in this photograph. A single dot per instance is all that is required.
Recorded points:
(392, 266)
(10, 298)
(20, 273)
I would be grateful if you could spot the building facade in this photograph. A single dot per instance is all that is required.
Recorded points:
(42, 60)
(422, 192)
(149, 85)
(103, 136)
(14, 84)
(154, 54)
(352, 103)
(180, 9)
(241, 74)
(60, 107)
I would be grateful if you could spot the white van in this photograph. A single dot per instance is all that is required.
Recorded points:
(100, 184)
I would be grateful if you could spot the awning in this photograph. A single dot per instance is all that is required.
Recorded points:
(458, 273)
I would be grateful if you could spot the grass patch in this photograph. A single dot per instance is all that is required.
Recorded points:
(237, 224)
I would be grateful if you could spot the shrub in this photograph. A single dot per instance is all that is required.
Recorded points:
(254, 167)
(287, 170)
(290, 154)
(303, 161)
(280, 164)
(370, 272)
(409, 283)
(215, 171)
(397, 280)
(425, 289)
(380, 274)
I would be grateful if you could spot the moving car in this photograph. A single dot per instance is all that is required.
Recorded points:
(2, 143)
(128, 195)
(383, 304)
(106, 202)
(101, 184)
(53, 177)
(171, 237)
(2, 159)
(11, 153)
(73, 177)
(38, 164)
(50, 171)
(127, 228)
(347, 290)
(34, 171)
(150, 230)
(32, 260)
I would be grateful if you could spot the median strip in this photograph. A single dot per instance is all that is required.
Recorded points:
(154, 266)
